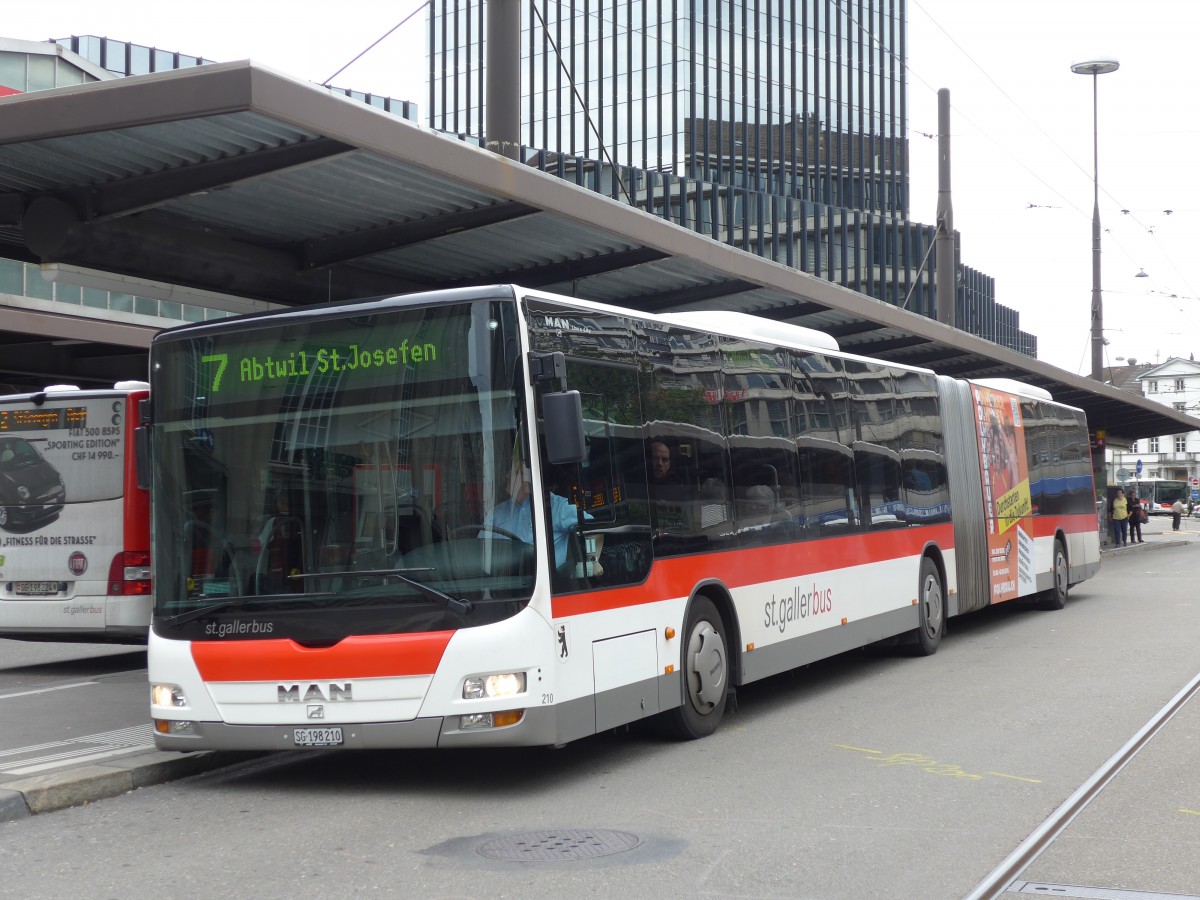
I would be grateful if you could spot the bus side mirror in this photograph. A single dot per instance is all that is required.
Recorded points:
(141, 455)
(562, 413)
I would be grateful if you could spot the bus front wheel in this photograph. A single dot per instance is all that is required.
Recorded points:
(931, 603)
(704, 675)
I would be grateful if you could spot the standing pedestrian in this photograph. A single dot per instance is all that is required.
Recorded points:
(1119, 514)
(1137, 516)
(1177, 509)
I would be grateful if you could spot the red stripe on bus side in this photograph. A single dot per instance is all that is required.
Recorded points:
(736, 568)
(1045, 526)
(362, 656)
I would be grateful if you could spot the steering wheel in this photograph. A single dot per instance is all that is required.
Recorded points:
(473, 530)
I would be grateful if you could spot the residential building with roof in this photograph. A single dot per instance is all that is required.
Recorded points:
(1174, 383)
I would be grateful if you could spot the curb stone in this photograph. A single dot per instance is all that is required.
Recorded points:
(75, 787)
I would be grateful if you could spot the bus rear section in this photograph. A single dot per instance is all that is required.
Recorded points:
(74, 526)
(1023, 494)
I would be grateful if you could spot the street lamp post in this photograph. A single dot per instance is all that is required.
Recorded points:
(1095, 68)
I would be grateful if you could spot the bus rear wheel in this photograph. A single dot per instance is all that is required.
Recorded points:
(1056, 597)
(931, 604)
(704, 674)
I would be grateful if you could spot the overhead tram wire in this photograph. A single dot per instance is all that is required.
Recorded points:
(374, 44)
(1031, 120)
(586, 114)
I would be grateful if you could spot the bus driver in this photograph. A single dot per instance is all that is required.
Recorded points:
(515, 516)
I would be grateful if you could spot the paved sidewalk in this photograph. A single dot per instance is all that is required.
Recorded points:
(1157, 533)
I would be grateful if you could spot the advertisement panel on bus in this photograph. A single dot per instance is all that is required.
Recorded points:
(74, 528)
(1007, 502)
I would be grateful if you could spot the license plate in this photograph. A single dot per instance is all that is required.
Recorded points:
(36, 588)
(318, 737)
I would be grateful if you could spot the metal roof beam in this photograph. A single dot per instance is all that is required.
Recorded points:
(793, 313)
(147, 246)
(888, 345)
(368, 242)
(130, 195)
(849, 330)
(569, 270)
(667, 300)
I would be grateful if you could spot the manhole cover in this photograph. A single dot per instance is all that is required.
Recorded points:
(545, 846)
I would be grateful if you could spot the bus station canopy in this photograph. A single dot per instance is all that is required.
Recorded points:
(235, 179)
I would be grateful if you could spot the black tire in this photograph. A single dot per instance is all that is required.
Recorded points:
(4, 523)
(931, 605)
(1056, 597)
(703, 675)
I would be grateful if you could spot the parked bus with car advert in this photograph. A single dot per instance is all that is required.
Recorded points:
(74, 525)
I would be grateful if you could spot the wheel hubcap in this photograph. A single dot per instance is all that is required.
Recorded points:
(706, 662)
(932, 600)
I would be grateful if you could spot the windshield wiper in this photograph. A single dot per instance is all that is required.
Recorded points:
(192, 614)
(454, 603)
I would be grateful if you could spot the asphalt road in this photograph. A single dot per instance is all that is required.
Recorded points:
(873, 775)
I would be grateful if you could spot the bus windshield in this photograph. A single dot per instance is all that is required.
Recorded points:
(340, 468)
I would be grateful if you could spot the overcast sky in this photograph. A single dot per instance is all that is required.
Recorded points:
(1021, 125)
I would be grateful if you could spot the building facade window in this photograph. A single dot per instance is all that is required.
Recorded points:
(1179, 384)
(777, 127)
(1181, 443)
(1153, 445)
(1152, 387)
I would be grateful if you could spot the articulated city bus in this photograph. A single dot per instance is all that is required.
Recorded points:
(74, 525)
(494, 516)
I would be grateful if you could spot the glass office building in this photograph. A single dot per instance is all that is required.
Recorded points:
(777, 126)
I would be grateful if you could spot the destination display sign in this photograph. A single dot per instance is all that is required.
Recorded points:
(37, 418)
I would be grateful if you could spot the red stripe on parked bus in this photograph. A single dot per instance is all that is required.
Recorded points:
(361, 656)
(675, 577)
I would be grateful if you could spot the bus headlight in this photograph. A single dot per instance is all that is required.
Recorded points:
(167, 695)
(481, 687)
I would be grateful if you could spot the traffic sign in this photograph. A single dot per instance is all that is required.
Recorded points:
(1139, 467)
(1122, 475)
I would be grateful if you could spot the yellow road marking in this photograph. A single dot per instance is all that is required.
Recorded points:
(862, 749)
(1190, 812)
(1016, 777)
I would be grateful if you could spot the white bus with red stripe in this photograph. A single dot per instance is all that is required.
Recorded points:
(430, 520)
(74, 525)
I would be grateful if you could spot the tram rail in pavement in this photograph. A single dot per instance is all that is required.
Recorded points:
(74, 742)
